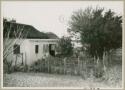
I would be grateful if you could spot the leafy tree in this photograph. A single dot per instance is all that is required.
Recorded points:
(101, 31)
(65, 47)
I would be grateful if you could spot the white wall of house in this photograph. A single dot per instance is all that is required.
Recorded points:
(27, 50)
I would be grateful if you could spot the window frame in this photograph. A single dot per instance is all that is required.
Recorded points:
(36, 49)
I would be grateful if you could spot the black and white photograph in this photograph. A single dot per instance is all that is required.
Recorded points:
(62, 44)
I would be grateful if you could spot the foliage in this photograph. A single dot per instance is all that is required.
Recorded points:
(36, 66)
(46, 65)
(7, 67)
(65, 47)
(102, 32)
(113, 76)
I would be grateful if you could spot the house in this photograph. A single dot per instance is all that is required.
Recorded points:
(24, 44)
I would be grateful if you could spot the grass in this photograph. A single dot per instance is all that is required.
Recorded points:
(112, 79)
(113, 76)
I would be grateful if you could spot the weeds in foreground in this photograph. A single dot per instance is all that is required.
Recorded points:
(113, 76)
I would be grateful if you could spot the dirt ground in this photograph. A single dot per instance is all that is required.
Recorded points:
(20, 79)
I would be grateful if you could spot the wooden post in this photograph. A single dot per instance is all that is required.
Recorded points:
(78, 65)
(64, 65)
(16, 60)
(25, 58)
(81, 65)
(53, 66)
(48, 65)
(22, 58)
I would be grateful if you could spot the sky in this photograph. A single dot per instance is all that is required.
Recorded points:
(52, 16)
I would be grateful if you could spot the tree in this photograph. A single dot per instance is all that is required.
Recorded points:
(65, 47)
(12, 34)
(101, 32)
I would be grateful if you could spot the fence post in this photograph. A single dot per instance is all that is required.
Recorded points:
(78, 65)
(22, 58)
(64, 65)
(16, 60)
(53, 66)
(48, 65)
(60, 69)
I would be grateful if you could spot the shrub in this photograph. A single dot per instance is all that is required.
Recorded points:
(113, 76)
(7, 66)
(36, 66)
(98, 73)
(19, 68)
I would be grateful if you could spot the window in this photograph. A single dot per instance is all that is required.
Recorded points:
(16, 49)
(36, 48)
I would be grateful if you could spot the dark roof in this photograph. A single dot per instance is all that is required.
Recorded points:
(52, 35)
(26, 31)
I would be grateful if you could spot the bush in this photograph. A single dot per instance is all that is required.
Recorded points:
(98, 69)
(19, 68)
(36, 66)
(98, 73)
(7, 66)
(42, 65)
(113, 76)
